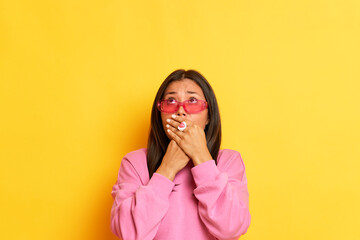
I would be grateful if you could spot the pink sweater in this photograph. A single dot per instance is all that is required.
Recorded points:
(206, 201)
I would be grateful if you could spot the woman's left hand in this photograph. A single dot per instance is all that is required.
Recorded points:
(192, 140)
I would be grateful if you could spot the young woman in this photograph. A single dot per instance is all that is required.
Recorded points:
(182, 186)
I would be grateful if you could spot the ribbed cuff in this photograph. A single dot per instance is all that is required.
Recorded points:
(161, 185)
(204, 172)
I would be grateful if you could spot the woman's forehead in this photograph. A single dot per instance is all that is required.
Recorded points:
(185, 86)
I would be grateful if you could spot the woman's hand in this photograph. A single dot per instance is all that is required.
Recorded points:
(192, 140)
(173, 161)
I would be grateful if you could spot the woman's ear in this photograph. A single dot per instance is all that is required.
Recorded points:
(207, 121)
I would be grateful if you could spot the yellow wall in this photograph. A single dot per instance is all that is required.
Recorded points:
(78, 79)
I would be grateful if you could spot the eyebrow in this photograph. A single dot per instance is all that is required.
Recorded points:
(190, 92)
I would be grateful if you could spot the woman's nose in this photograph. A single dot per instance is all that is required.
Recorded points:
(181, 112)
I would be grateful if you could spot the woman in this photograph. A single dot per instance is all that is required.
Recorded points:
(182, 186)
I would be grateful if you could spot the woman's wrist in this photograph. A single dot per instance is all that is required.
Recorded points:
(201, 158)
(166, 172)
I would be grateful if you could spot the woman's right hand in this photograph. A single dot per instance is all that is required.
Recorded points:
(173, 161)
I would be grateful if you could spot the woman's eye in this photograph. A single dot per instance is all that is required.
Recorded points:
(171, 100)
(193, 100)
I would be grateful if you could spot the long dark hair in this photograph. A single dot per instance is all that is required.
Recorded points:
(158, 140)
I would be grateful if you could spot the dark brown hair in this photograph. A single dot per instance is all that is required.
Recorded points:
(158, 140)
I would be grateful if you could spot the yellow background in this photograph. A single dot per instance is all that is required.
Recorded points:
(78, 79)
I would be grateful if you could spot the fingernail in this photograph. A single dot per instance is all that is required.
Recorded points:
(168, 130)
(167, 125)
(173, 116)
(168, 120)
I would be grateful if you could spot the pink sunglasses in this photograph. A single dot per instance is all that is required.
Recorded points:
(190, 106)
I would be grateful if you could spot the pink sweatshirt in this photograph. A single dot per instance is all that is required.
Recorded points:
(206, 201)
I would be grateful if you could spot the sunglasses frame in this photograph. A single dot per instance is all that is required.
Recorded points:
(204, 105)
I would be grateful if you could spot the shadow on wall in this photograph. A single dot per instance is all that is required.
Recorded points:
(99, 223)
(130, 138)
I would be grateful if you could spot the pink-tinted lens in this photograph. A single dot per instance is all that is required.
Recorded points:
(194, 107)
(190, 106)
(168, 107)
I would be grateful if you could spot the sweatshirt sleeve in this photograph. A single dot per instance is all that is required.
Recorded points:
(138, 209)
(223, 196)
